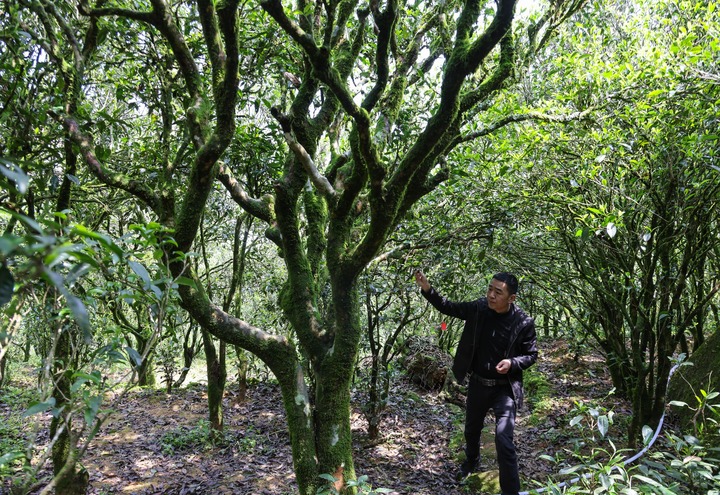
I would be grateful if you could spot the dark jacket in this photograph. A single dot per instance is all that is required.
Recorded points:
(522, 351)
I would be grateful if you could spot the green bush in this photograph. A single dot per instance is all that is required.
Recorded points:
(678, 465)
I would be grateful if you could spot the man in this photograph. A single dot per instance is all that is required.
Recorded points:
(498, 342)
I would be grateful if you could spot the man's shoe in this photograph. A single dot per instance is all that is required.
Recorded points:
(467, 467)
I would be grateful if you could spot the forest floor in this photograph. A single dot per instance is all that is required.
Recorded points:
(155, 444)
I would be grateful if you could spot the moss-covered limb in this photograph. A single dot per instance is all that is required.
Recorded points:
(423, 184)
(327, 114)
(275, 9)
(261, 208)
(344, 10)
(321, 183)
(345, 59)
(383, 218)
(301, 103)
(333, 435)
(385, 22)
(268, 347)
(496, 31)
(200, 182)
(467, 55)
(227, 74)
(319, 57)
(393, 98)
(136, 15)
(162, 18)
(316, 212)
(211, 33)
(463, 61)
(217, 377)
(340, 360)
(299, 297)
(540, 32)
(205, 165)
(51, 44)
(342, 216)
(465, 24)
(497, 80)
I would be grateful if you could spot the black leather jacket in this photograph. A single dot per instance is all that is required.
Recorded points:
(522, 351)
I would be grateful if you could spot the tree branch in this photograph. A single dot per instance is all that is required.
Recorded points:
(319, 180)
(136, 15)
(259, 208)
(275, 9)
(532, 115)
(87, 149)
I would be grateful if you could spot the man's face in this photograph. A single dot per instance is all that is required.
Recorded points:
(498, 296)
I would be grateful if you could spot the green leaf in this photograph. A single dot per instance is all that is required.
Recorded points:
(38, 407)
(106, 241)
(647, 434)
(74, 304)
(8, 244)
(93, 406)
(15, 174)
(328, 477)
(605, 481)
(7, 285)
(80, 313)
(27, 221)
(603, 425)
(134, 357)
(140, 271)
(185, 281)
(81, 378)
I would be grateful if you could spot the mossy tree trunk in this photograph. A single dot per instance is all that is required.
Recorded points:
(216, 377)
(69, 480)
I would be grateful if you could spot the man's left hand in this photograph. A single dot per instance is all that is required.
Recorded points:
(504, 366)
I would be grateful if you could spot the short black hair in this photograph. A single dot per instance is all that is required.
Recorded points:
(509, 280)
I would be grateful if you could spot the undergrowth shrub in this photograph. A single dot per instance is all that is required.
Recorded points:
(677, 465)
(202, 437)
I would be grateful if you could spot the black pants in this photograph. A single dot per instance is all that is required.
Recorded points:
(479, 401)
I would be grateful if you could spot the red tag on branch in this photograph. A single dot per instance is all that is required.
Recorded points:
(443, 326)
